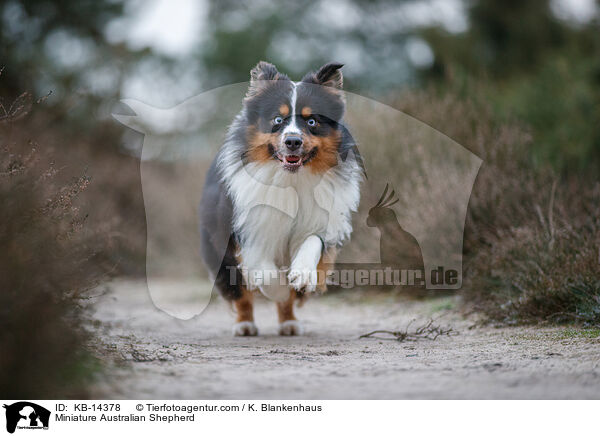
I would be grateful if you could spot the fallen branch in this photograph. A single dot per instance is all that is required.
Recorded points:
(426, 331)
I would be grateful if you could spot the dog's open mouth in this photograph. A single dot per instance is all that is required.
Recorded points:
(292, 162)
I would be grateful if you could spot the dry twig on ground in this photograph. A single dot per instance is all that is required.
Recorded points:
(426, 331)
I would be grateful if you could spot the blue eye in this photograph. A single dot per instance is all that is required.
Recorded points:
(277, 120)
(311, 122)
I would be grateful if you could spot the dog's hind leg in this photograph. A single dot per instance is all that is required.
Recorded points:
(244, 306)
(288, 324)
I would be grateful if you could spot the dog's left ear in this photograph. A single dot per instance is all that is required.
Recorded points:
(261, 76)
(263, 71)
(328, 75)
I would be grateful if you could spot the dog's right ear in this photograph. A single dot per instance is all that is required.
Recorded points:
(328, 75)
(260, 75)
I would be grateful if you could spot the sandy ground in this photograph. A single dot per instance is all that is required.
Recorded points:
(152, 355)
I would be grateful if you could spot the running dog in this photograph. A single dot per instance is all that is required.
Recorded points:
(278, 198)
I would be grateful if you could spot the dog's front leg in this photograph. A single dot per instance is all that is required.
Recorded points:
(268, 279)
(303, 271)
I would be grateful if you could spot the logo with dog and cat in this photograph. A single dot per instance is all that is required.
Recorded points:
(25, 415)
(407, 233)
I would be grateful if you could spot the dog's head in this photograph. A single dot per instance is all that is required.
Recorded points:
(296, 124)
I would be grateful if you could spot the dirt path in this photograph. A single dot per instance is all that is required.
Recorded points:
(199, 359)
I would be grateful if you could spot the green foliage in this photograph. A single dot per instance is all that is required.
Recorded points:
(561, 104)
(569, 333)
(300, 36)
(29, 27)
(530, 66)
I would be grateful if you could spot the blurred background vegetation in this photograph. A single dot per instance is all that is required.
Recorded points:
(516, 82)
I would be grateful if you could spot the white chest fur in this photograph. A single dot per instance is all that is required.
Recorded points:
(276, 210)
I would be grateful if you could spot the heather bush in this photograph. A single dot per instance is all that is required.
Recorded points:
(49, 259)
(532, 236)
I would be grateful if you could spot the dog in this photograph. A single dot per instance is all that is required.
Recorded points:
(278, 197)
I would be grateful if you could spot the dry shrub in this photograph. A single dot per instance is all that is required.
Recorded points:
(531, 238)
(544, 268)
(49, 258)
(426, 171)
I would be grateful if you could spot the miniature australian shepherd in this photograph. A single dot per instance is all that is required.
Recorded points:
(278, 198)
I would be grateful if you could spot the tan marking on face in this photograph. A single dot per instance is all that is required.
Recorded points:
(258, 145)
(284, 110)
(306, 112)
(327, 152)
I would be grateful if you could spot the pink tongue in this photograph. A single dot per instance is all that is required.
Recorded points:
(292, 159)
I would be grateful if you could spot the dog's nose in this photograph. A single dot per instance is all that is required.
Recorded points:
(293, 143)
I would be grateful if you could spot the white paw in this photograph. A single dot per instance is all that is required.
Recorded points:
(245, 328)
(291, 327)
(306, 278)
(303, 272)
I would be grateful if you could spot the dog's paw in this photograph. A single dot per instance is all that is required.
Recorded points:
(245, 328)
(303, 271)
(291, 327)
(303, 278)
